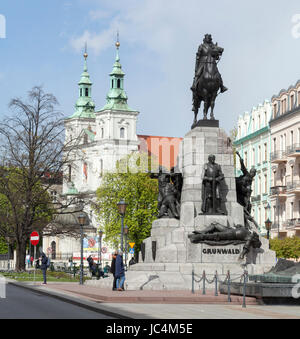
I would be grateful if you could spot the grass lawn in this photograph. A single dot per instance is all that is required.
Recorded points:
(51, 276)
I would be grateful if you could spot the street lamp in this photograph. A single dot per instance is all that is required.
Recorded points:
(100, 248)
(81, 220)
(122, 209)
(268, 224)
(126, 234)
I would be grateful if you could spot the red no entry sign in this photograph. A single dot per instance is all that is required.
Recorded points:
(34, 238)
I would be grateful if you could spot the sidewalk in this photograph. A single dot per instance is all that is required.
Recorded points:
(162, 304)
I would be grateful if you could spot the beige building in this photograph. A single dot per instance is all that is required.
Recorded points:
(285, 163)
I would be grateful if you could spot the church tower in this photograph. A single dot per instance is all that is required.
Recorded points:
(116, 121)
(80, 129)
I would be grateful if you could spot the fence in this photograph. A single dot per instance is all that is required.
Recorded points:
(228, 280)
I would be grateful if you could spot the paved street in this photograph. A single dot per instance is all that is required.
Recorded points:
(21, 303)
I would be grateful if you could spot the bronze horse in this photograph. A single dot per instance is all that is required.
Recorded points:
(207, 82)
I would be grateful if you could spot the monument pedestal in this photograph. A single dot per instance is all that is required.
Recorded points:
(169, 256)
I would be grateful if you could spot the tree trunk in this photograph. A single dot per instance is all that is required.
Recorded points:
(21, 256)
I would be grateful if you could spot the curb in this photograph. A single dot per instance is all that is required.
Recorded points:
(89, 305)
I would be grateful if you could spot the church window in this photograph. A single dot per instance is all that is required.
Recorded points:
(101, 167)
(112, 84)
(53, 250)
(119, 83)
(81, 92)
(122, 133)
(86, 92)
(69, 173)
(85, 139)
(85, 170)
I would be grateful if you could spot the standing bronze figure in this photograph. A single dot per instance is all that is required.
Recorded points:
(207, 80)
(211, 191)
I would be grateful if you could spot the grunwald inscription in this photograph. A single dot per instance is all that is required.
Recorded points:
(220, 251)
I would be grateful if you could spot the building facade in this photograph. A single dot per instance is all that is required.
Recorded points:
(285, 160)
(253, 144)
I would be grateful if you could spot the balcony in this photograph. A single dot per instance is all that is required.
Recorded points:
(278, 157)
(293, 224)
(279, 191)
(293, 151)
(293, 187)
(256, 198)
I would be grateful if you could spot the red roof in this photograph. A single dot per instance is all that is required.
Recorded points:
(165, 149)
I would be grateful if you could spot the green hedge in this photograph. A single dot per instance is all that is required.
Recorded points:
(287, 248)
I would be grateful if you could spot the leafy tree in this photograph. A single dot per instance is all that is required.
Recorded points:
(130, 182)
(287, 248)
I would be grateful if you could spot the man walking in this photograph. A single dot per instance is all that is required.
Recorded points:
(113, 269)
(120, 271)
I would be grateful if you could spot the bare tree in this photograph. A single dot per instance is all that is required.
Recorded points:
(33, 155)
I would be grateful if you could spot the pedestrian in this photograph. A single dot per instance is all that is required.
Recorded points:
(120, 271)
(28, 260)
(44, 266)
(31, 261)
(113, 269)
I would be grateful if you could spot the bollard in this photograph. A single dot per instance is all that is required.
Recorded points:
(216, 284)
(193, 278)
(244, 291)
(203, 277)
(228, 287)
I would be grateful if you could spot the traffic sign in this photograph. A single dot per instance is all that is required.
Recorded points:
(34, 238)
(132, 244)
(131, 251)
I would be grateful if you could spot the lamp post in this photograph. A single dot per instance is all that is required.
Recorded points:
(81, 220)
(100, 248)
(268, 224)
(126, 234)
(122, 209)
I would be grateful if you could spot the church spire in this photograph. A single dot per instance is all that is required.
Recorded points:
(84, 107)
(116, 98)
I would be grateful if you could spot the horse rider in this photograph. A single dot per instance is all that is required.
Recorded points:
(207, 50)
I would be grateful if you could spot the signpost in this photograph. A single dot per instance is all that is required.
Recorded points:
(34, 240)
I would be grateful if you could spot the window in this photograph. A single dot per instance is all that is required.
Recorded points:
(86, 92)
(53, 250)
(85, 139)
(119, 83)
(266, 185)
(69, 173)
(283, 106)
(102, 133)
(292, 210)
(253, 157)
(259, 154)
(266, 152)
(292, 101)
(259, 122)
(122, 133)
(274, 110)
(266, 122)
(101, 167)
(292, 138)
(81, 92)
(112, 84)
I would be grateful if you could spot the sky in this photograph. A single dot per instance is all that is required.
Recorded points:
(43, 44)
